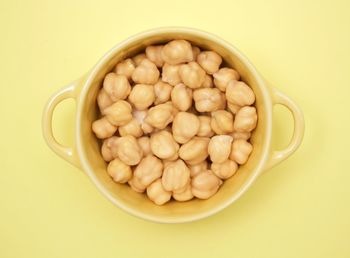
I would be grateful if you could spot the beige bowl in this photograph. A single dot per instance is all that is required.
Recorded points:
(86, 152)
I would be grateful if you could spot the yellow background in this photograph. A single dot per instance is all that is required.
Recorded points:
(300, 208)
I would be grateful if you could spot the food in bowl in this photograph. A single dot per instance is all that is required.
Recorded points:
(175, 122)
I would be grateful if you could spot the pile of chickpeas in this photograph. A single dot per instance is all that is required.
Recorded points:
(174, 123)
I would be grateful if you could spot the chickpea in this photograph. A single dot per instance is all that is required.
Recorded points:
(177, 52)
(149, 169)
(116, 86)
(232, 107)
(146, 73)
(208, 82)
(132, 128)
(154, 54)
(245, 120)
(205, 184)
(128, 150)
(186, 195)
(125, 67)
(140, 116)
(219, 148)
(185, 126)
(176, 176)
(205, 127)
(241, 135)
(239, 93)
(194, 151)
(139, 58)
(160, 116)
(103, 128)
(195, 52)
(119, 171)
(162, 91)
(157, 194)
(224, 170)
(119, 113)
(108, 148)
(210, 61)
(136, 185)
(241, 150)
(103, 100)
(142, 96)
(192, 75)
(207, 99)
(222, 122)
(163, 145)
(145, 145)
(170, 74)
(224, 76)
(197, 168)
(181, 96)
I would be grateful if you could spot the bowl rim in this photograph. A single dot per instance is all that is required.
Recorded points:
(267, 104)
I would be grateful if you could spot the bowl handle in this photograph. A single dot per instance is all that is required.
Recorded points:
(278, 156)
(67, 153)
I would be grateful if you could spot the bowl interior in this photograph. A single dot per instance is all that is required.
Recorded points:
(138, 204)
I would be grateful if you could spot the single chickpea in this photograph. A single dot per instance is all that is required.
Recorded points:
(208, 82)
(145, 145)
(239, 93)
(145, 73)
(207, 99)
(222, 122)
(181, 96)
(210, 61)
(140, 116)
(177, 52)
(194, 151)
(142, 96)
(148, 170)
(157, 194)
(108, 148)
(186, 195)
(224, 170)
(205, 184)
(219, 148)
(103, 128)
(162, 91)
(119, 171)
(163, 145)
(161, 115)
(154, 54)
(139, 58)
(103, 100)
(119, 113)
(241, 135)
(232, 107)
(116, 86)
(205, 127)
(200, 167)
(241, 150)
(176, 176)
(125, 67)
(192, 75)
(128, 150)
(136, 185)
(185, 126)
(224, 76)
(195, 52)
(245, 120)
(132, 128)
(170, 74)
